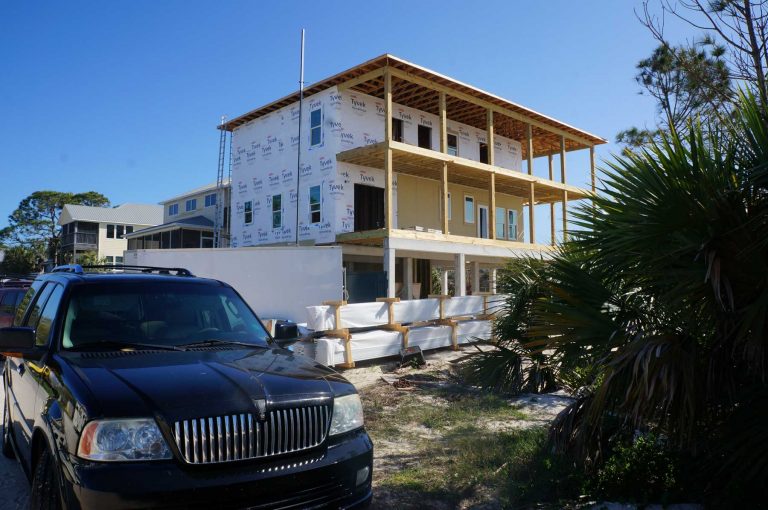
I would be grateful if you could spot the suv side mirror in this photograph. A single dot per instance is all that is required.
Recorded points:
(18, 342)
(286, 332)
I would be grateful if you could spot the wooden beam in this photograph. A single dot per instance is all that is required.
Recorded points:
(562, 159)
(443, 125)
(565, 214)
(492, 207)
(532, 207)
(446, 205)
(388, 215)
(529, 147)
(592, 166)
(403, 75)
(489, 141)
(370, 75)
(552, 205)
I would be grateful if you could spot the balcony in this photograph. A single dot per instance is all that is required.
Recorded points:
(80, 240)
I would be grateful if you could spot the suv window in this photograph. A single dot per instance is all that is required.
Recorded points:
(37, 307)
(26, 300)
(43, 330)
(162, 313)
(8, 300)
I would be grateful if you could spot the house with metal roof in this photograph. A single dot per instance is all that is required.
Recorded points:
(406, 169)
(188, 221)
(102, 230)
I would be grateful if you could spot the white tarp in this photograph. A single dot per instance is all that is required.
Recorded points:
(365, 315)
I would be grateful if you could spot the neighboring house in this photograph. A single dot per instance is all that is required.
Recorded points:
(188, 221)
(102, 229)
(407, 170)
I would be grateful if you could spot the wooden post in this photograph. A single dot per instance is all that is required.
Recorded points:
(446, 205)
(460, 275)
(592, 166)
(388, 216)
(492, 207)
(531, 210)
(565, 193)
(389, 267)
(339, 332)
(552, 204)
(442, 298)
(390, 309)
(443, 125)
(529, 146)
(492, 188)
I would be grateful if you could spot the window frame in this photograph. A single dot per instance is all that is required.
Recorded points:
(319, 205)
(428, 131)
(313, 128)
(173, 209)
(449, 146)
(189, 201)
(58, 291)
(400, 129)
(501, 233)
(248, 210)
(110, 231)
(279, 211)
(470, 221)
(210, 200)
(512, 214)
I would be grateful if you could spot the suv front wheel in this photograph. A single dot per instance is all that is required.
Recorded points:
(45, 485)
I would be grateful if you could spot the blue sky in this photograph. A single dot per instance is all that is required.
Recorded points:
(123, 97)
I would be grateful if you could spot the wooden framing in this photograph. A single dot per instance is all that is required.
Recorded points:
(489, 142)
(592, 166)
(340, 332)
(426, 163)
(388, 169)
(444, 190)
(529, 147)
(565, 193)
(532, 213)
(552, 204)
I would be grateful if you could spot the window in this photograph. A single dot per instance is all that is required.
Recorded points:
(128, 229)
(248, 212)
(110, 231)
(43, 329)
(191, 204)
(110, 259)
(453, 145)
(450, 207)
(397, 130)
(483, 152)
(316, 127)
(173, 209)
(314, 205)
(469, 209)
(425, 137)
(512, 224)
(206, 240)
(33, 290)
(277, 211)
(34, 312)
(210, 200)
(118, 260)
(120, 231)
(500, 223)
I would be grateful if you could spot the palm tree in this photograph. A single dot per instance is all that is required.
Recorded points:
(658, 306)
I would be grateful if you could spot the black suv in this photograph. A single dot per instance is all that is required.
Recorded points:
(159, 389)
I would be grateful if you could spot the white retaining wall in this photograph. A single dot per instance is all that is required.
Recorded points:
(277, 282)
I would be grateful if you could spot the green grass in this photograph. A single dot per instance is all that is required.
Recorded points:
(459, 457)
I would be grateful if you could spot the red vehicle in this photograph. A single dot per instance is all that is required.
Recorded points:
(10, 297)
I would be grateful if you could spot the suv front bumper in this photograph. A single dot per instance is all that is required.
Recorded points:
(323, 478)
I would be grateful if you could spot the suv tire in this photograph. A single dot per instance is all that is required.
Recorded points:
(45, 485)
(7, 447)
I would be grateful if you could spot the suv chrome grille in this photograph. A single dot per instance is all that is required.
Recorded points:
(241, 436)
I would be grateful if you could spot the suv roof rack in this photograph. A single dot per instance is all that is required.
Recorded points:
(78, 269)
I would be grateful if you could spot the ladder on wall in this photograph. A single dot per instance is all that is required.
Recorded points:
(218, 224)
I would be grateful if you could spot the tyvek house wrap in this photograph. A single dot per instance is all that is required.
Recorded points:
(264, 164)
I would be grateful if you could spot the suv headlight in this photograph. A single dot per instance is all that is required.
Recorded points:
(123, 440)
(347, 414)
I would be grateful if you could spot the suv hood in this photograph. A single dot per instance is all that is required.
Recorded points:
(201, 383)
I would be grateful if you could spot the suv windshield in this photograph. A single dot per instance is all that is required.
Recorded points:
(158, 313)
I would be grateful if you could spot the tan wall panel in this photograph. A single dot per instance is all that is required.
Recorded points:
(418, 203)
